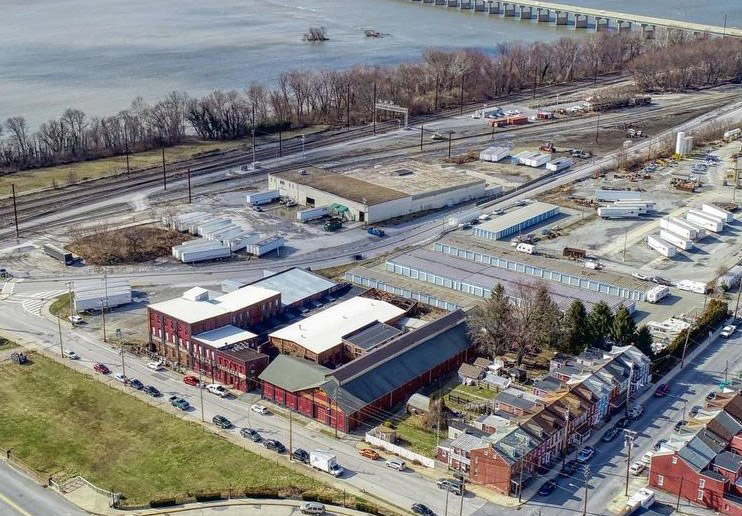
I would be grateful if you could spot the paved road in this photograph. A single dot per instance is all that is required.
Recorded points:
(20, 495)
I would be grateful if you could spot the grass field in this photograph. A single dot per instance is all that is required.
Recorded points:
(7, 344)
(63, 423)
(417, 437)
(61, 306)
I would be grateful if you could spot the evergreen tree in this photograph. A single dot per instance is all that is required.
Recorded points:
(575, 331)
(600, 324)
(644, 340)
(490, 325)
(623, 331)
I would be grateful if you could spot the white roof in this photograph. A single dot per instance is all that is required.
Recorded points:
(190, 311)
(224, 336)
(100, 289)
(327, 328)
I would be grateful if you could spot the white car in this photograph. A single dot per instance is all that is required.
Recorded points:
(155, 366)
(215, 388)
(75, 319)
(68, 353)
(397, 464)
(585, 454)
(635, 412)
(728, 331)
(260, 409)
(120, 377)
(637, 468)
(640, 276)
(647, 458)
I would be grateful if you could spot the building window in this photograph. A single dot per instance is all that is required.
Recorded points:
(702, 483)
(675, 461)
(660, 480)
(700, 494)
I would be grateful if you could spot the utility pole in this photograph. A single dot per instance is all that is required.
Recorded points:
(59, 327)
(628, 388)
(347, 106)
(103, 315)
(685, 347)
(677, 504)
(280, 144)
(629, 438)
(450, 137)
(597, 128)
(126, 148)
(189, 186)
(461, 503)
(587, 479)
(374, 107)
(123, 364)
(625, 239)
(201, 386)
(445, 513)
(421, 137)
(15, 212)
(726, 372)
(461, 96)
(736, 307)
(70, 299)
(253, 147)
(566, 432)
(164, 175)
(291, 414)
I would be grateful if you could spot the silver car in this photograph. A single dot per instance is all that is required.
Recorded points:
(312, 508)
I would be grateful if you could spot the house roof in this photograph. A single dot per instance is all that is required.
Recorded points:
(712, 440)
(728, 461)
(696, 454)
(294, 374)
(548, 383)
(515, 444)
(734, 407)
(470, 371)
(498, 381)
(224, 336)
(482, 362)
(468, 442)
(516, 399)
(710, 473)
(397, 362)
(326, 329)
(724, 426)
(373, 335)
(295, 284)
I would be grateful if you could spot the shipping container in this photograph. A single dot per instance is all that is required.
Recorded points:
(494, 154)
(663, 247)
(681, 230)
(258, 198)
(58, 253)
(618, 212)
(717, 212)
(705, 220)
(559, 164)
(655, 294)
(537, 160)
(617, 195)
(699, 287)
(676, 240)
(312, 214)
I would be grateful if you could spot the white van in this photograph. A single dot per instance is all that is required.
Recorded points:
(525, 248)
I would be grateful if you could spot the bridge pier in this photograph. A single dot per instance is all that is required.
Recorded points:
(559, 19)
(427, 1)
(453, 3)
(494, 7)
(648, 31)
(479, 7)
(580, 21)
(510, 13)
(440, 2)
(523, 10)
(601, 26)
(465, 4)
(624, 26)
(543, 15)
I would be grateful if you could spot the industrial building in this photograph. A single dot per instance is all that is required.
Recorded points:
(95, 294)
(298, 287)
(377, 194)
(319, 338)
(516, 221)
(479, 279)
(360, 392)
(548, 269)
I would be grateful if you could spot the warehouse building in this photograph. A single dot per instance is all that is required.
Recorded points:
(479, 279)
(373, 195)
(298, 287)
(516, 221)
(548, 269)
(362, 391)
(97, 293)
(319, 338)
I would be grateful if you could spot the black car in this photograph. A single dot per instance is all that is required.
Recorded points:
(624, 422)
(274, 445)
(569, 468)
(610, 434)
(710, 396)
(419, 508)
(136, 384)
(694, 410)
(679, 425)
(659, 444)
(152, 391)
(251, 434)
(547, 488)
(222, 422)
(661, 281)
(301, 455)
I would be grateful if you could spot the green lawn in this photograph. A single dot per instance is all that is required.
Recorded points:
(61, 423)
(472, 391)
(417, 438)
(7, 344)
(61, 306)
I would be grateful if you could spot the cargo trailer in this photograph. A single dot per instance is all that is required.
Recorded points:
(522, 157)
(705, 220)
(676, 240)
(681, 230)
(617, 195)
(663, 247)
(312, 214)
(700, 230)
(699, 287)
(95, 294)
(212, 225)
(261, 246)
(559, 164)
(258, 198)
(732, 134)
(718, 212)
(655, 294)
(618, 212)
(58, 253)
(731, 278)
(201, 254)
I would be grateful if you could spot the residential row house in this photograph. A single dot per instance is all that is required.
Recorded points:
(530, 430)
(703, 462)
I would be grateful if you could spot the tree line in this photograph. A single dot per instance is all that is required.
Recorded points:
(305, 97)
(530, 321)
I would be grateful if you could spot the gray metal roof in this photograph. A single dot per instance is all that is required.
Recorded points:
(728, 461)
(548, 383)
(295, 284)
(294, 374)
(468, 442)
(516, 443)
(419, 401)
(372, 335)
(518, 216)
(515, 401)
(725, 425)
(711, 439)
(697, 454)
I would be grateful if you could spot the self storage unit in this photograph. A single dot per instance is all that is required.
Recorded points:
(516, 221)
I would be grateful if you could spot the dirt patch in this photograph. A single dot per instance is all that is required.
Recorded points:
(128, 245)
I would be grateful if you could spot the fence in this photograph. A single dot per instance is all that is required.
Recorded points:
(402, 452)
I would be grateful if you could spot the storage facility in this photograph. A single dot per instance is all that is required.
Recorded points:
(494, 154)
(516, 221)
(559, 164)
(380, 193)
(705, 220)
(681, 243)
(617, 195)
(94, 294)
(662, 246)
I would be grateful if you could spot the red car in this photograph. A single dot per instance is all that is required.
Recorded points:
(662, 391)
(101, 368)
(190, 380)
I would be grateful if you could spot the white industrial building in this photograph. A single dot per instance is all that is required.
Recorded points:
(380, 193)
(94, 294)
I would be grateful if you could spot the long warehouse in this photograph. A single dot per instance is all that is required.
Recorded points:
(516, 221)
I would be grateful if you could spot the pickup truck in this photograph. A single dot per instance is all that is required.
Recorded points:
(215, 388)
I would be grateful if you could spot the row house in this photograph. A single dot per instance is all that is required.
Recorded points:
(704, 464)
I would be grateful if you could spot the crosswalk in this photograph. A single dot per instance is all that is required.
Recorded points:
(8, 288)
(33, 303)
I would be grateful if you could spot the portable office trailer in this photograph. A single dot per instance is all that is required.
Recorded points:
(258, 198)
(655, 294)
(682, 231)
(618, 212)
(617, 195)
(699, 287)
(312, 214)
(676, 240)
(716, 211)
(731, 278)
(663, 247)
(262, 246)
(559, 164)
(705, 220)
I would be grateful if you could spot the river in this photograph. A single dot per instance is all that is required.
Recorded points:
(97, 55)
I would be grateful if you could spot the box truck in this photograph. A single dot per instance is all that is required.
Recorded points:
(325, 461)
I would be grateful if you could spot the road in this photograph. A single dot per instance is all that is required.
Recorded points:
(20, 495)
